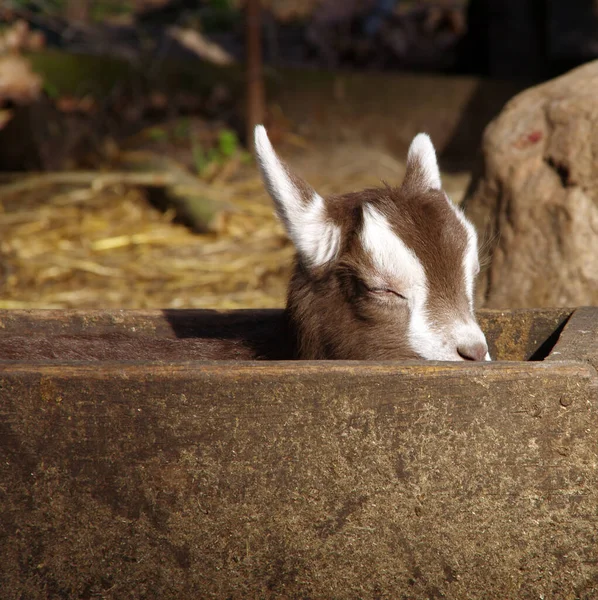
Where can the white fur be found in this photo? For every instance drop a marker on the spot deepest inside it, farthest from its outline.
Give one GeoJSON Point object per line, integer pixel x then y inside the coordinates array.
{"type": "Point", "coordinates": [422, 149]}
{"type": "Point", "coordinates": [390, 256]}
{"type": "Point", "coordinates": [471, 261]}
{"type": "Point", "coordinates": [393, 260]}
{"type": "Point", "coordinates": [468, 334]}
{"type": "Point", "coordinates": [316, 238]}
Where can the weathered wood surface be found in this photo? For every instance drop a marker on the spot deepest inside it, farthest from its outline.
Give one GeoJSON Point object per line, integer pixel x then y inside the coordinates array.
{"type": "Point", "coordinates": [171, 335]}
{"type": "Point", "coordinates": [233, 479]}
{"type": "Point", "coordinates": [245, 480]}
{"type": "Point", "coordinates": [579, 339]}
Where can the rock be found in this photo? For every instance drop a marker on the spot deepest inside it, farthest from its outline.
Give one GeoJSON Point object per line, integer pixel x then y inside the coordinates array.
{"type": "Point", "coordinates": [537, 198]}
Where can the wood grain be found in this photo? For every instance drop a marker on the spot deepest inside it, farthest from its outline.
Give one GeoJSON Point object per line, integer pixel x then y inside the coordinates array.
{"type": "Point", "coordinates": [579, 339]}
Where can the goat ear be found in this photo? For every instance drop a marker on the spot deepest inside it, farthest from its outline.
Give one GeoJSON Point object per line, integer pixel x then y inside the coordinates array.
{"type": "Point", "coordinates": [422, 171]}
{"type": "Point", "coordinates": [301, 210]}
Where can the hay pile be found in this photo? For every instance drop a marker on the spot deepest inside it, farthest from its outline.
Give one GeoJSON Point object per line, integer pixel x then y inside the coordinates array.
{"type": "Point", "coordinates": [91, 246]}
{"type": "Point", "coordinates": [110, 248]}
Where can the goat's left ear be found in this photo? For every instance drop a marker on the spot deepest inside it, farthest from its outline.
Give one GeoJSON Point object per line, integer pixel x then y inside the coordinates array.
{"type": "Point", "coordinates": [301, 210]}
{"type": "Point", "coordinates": [422, 171]}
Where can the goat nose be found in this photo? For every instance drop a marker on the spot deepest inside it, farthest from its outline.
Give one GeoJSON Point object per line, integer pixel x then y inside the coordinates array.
{"type": "Point", "coordinates": [473, 351]}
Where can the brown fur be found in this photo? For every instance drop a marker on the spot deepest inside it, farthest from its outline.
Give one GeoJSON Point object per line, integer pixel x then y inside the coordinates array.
{"type": "Point", "coordinates": [333, 314]}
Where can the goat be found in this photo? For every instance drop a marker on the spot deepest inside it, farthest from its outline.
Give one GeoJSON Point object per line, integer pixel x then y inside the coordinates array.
{"type": "Point", "coordinates": [384, 273]}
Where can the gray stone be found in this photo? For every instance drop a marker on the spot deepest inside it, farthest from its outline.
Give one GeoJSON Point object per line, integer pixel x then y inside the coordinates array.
{"type": "Point", "coordinates": [537, 197]}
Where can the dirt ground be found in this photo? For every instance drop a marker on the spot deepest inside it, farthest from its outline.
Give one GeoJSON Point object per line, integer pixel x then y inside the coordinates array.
{"type": "Point", "coordinates": [110, 247]}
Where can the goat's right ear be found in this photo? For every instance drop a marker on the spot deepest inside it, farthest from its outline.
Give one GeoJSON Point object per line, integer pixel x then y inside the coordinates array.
{"type": "Point", "coordinates": [301, 210]}
{"type": "Point", "coordinates": [422, 172]}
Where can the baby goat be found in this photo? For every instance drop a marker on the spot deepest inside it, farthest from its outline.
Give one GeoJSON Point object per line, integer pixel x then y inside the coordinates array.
{"type": "Point", "coordinates": [380, 274]}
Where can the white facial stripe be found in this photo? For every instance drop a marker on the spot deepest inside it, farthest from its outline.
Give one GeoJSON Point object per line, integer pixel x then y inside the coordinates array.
{"type": "Point", "coordinates": [422, 150]}
{"type": "Point", "coordinates": [316, 238]}
{"type": "Point", "coordinates": [390, 256]}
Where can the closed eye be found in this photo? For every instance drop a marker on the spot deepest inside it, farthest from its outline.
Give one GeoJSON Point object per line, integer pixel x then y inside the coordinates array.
{"type": "Point", "coordinates": [386, 291]}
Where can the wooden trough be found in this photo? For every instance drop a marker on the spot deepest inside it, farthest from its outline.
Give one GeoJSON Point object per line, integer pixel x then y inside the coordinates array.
{"type": "Point", "coordinates": [130, 469]}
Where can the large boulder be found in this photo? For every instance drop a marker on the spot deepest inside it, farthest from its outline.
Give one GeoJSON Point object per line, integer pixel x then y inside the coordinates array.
{"type": "Point", "coordinates": [537, 197]}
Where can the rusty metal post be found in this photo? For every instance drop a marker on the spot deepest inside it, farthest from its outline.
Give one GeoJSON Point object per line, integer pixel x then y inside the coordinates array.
{"type": "Point", "coordinates": [255, 78]}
